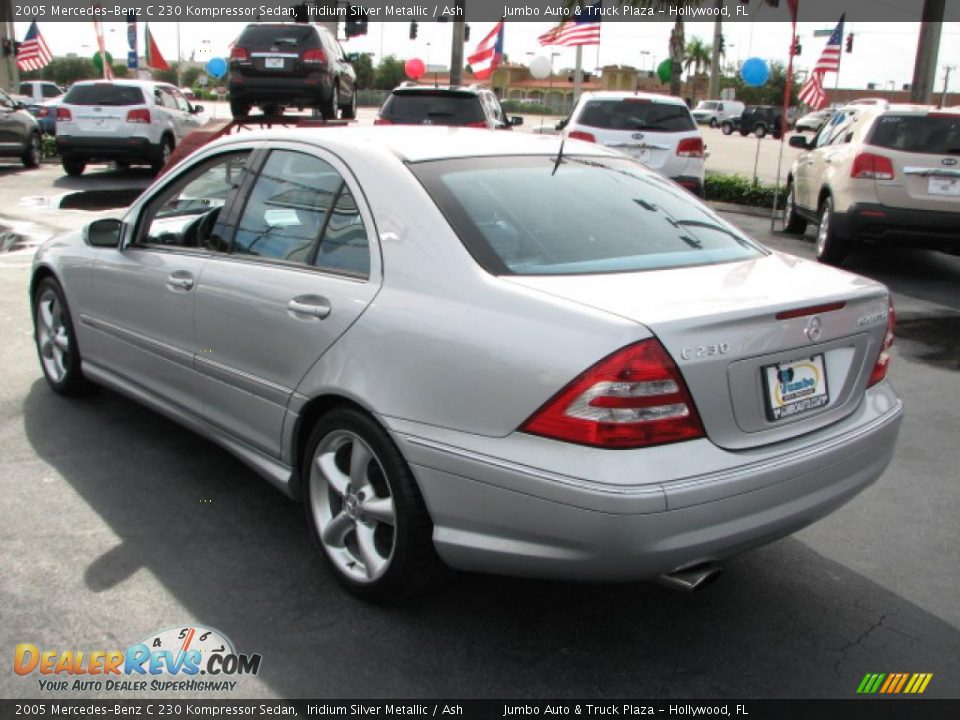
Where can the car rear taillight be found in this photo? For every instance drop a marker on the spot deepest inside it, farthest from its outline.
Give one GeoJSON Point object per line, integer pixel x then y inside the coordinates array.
{"type": "Point", "coordinates": [382, 121]}
{"type": "Point", "coordinates": [690, 147]}
{"type": "Point", "coordinates": [879, 371]}
{"type": "Point", "coordinates": [64, 114]}
{"type": "Point", "coordinates": [140, 115]}
{"type": "Point", "coordinates": [314, 57]}
{"type": "Point", "coordinates": [580, 135]}
{"type": "Point", "coordinates": [239, 54]}
{"type": "Point", "coordinates": [477, 124]}
{"type": "Point", "coordinates": [868, 166]}
{"type": "Point", "coordinates": [633, 398]}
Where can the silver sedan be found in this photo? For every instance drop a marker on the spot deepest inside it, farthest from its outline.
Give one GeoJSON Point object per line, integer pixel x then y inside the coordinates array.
{"type": "Point", "coordinates": [486, 351]}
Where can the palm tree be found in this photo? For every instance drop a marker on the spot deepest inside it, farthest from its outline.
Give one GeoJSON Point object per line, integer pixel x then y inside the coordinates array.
{"type": "Point", "coordinates": [697, 56]}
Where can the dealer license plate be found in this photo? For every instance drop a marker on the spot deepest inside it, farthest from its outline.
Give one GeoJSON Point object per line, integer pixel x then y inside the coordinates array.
{"type": "Point", "coordinates": [795, 387]}
{"type": "Point", "coordinates": [273, 63]}
{"type": "Point", "coordinates": [943, 186]}
{"type": "Point", "coordinates": [640, 154]}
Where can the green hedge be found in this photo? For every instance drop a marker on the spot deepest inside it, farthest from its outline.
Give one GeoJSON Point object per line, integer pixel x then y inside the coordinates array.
{"type": "Point", "coordinates": [515, 106]}
{"type": "Point", "coordinates": [740, 190]}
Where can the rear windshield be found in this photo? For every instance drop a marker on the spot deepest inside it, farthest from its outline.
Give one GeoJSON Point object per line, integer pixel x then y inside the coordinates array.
{"type": "Point", "coordinates": [276, 35]}
{"type": "Point", "coordinates": [524, 215]}
{"type": "Point", "coordinates": [439, 108]}
{"type": "Point", "coordinates": [636, 114]}
{"type": "Point", "coordinates": [104, 94]}
{"type": "Point", "coordinates": [931, 134]}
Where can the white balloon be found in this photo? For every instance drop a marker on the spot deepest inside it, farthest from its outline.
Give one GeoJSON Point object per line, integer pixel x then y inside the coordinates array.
{"type": "Point", "coordinates": [540, 67]}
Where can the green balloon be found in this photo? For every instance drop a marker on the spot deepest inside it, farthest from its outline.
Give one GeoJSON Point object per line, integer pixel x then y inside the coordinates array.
{"type": "Point", "coordinates": [98, 61]}
{"type": "Point", "coordinates": [665, 71]}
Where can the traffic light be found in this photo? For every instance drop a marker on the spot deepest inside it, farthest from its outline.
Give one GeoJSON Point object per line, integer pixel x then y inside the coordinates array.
{"type": "Point", "coordinates": [414, 27]}
{"type": "Point", "coordinates": [356, 23]}
{"type": "Point", "coordinates": [721, 49]}
{"type": "Point", "coordinates": [850, 42]}
{"type": "Point", "coordinates": [797, 47]}
{"type": "Point", "coordinates": [466, 33]}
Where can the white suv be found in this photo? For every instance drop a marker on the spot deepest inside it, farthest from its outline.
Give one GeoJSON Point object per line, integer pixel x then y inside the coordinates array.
{"type": "Point", "coordinates": [125, 121]}
{"type": "Point", "coordinates": [656, 130]}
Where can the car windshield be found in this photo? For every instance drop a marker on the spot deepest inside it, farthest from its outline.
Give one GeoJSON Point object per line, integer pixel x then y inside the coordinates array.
{"type": "Point", "coordinates": [104, 94]}
{"type": "Point", "coordinates": [533, 215]}
{"type": "Point", "coordinates": [433, 107]}
{"type": "Point", "coordinates": [707, 106]}
{"type": "Point", "coordinates": [275, 35]}
{"type": "Point", "coordinates": [931, 134]}
{"type": "Point", "coordinates": [636, 114]}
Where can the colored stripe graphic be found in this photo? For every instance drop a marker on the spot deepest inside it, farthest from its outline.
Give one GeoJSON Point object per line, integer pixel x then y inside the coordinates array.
{"type": "Point", "coordinates": [894, 683]}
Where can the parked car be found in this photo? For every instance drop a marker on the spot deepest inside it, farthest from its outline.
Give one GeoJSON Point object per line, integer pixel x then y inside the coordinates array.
{"type": "Point", "coordinates": [656, 130]}
{"type": "Point", "coordinates": [125, 121]}
{"type": "Point", "coordinates": [758, 119]}
{"type": "Point", "coordinates": [19, 132]}
{"type": "Point", "coordinates": [39, 91]}
{"type": "Point", "coordinates": [490, 351]}
{"type": "Point", "coordinates": [813, 121]}
{"type": "Point", "coordinates": [878, 175]}
{"type": "Point", "coordinates": [474, 106]}
{"type": "Point", "coordinates": [277, 65]}
{"type": "Point", "coordinates": [714, 112]}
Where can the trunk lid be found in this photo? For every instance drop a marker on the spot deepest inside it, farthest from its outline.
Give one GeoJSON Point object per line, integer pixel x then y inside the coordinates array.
{"type": "Point", "coordinates": [719, 323]}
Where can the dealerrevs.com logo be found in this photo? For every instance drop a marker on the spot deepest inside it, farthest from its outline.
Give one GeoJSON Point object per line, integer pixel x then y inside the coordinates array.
{"type": "Point", "coordinates": [181, 659]}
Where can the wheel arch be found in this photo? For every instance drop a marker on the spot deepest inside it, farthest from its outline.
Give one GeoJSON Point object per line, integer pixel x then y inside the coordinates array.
{"type": "Point", "coordinates": [825, 192]}
{"type": "Point", "coordinates": [39, 275]}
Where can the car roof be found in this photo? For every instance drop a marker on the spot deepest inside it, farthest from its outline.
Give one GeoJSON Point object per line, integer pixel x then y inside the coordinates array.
{"type": "Point", "coordinates": [622, 95]}
{"type": "Point", "coordinates": [413, 89]}
{"type": "Point", "coordinates": [123, 82]}
{"type": "Point", "coordinates": [419, 144]}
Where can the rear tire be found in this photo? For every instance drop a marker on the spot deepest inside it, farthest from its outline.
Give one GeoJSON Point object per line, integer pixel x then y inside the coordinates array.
{"type": "Point", "coordinates": [792, 222]}
{"type": "Point", "coordinates": [365, 510]}
{"type": "Point", "coordinates": [831, 250]}
{"type": "Point", "coordinates": [166, 150]}
{"type": "Point", "coordinates": [56, 340]}
{"type": "Point", "coordinates": [73, 167]}
{"type": "Point", "coordinates": [31, 157]}
{"type": "Point", "coordinates": [330, 106]}
{"type": "Point", "coordinates": [349, 112]}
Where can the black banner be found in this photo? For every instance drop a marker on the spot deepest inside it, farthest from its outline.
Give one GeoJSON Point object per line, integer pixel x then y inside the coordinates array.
{"type": "Point", "coordinates": [873, 708]}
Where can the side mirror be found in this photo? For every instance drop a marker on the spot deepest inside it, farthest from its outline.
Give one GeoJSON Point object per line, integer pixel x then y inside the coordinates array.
{"type": "Point", "coordinates": [103, 233]}
{"type": "Point", "coordinates": [799, 141]}
{"type": "Point", "coordinates": [561, 125]}
{"type": "Point", "coordinates": [194, 109]}
{"type": "Point", "coordinates": [516, 120]}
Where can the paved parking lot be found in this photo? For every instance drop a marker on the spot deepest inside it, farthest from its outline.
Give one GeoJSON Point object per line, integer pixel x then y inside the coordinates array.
{"type": "Point", "coordinates": [117, 523]}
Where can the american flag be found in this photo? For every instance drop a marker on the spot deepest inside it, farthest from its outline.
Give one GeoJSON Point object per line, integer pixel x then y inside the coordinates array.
{"type": "Point", "coordinates": [488, 54]}
{"type": "Point", "coordinates": [585, 30]}
{"type": "Point", "coordinates": [830, 59]}
{"type": "Point", "coordinates": [812, 92]}
{"type": "Point", "coordinates": [33, 53]}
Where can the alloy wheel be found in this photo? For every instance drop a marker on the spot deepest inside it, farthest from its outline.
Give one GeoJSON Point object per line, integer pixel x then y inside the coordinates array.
{"type": "Point", "coordinates": [53, 338]}
{"type": "Point", "coordinates": [823, 231]}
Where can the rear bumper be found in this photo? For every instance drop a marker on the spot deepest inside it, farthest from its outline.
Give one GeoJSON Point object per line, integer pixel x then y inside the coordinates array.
{"type": "Point", "coordinates": [106, 148]}
{"type": "Point", "coordinates": [879, 224]}
{"type": "Point", "coordinates": [306, 91]}
{"type": "Point", "coordinates": [496, 516]}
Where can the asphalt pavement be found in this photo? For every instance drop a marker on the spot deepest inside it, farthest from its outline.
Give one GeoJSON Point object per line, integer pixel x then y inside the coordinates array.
{"type": "Point", "coordinates": [117, 523]}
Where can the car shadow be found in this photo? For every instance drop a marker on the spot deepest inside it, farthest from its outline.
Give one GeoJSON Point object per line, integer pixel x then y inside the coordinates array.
{"type": "Point", "coordinates": [235, 554]}
{"type": "Point", "coordinates": [101, 175]}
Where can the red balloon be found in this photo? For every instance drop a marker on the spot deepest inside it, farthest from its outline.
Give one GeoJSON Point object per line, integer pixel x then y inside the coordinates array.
{"type": "Point", "coordinates": [414, 68]}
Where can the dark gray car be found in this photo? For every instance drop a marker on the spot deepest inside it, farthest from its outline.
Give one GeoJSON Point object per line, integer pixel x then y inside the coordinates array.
{"type": "Point", "coordinates": [19, 132]}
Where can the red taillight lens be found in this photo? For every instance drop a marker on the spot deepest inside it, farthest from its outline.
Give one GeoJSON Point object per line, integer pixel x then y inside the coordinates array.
{"type": "Point", "coordinates": [580, 135]}
{"type": "Point", "coordinates": [867, 166]}
{"type": "Point", "coordinates": [879, 371]}
{"type": "Point", "coordinates": [690, 147]}
{"type": "Point", "coordinates": [478, 124]}
{"type": "Point", "coordinates": [633, 398]}
{"type": "Point", "coordinates": [140, 115]}
{"type": "Point", "coordinates": [64, 114]}
{"type": "Point", "coordinates": [382, 121]}
{"type": "Point", "coordinates": [314, 57]}
{"type": "Point", "coordinates": [239, 54]}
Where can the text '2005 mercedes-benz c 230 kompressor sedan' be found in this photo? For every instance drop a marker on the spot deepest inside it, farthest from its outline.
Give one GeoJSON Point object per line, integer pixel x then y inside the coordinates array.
{"type": "Point", "coordinates": [480, 350]}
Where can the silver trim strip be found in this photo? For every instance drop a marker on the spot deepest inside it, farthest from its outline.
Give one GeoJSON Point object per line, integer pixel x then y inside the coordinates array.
{"type": "Point", "coordinates": [265, 389]}
{"type": "Point", "coordinates": [274, 55]}
{"type": "Point", "coordinates": [928, 171]}
{"type": "Point", "coordinates": [164, 350]}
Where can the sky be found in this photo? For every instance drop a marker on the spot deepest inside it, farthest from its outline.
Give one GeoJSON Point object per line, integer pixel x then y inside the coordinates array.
{"type": "Point", "coordinates": [883, 52]}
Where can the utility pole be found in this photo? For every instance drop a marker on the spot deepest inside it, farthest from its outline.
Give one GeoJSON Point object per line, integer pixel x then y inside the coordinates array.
{"type": "Point", "coordinates": [928, 47]}
{"type": "Point", "coordinates": [456, 51]}
{"type": "Point", "coordinates": [714, 93]}
{"type": "Point", "coordinates": [9, 75]}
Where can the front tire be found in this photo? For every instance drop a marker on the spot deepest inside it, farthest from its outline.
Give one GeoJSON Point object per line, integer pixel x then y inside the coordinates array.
{"type": "Point", "coordinates": [831, 250]}
{"type": "Point", "coordinates": [792, 222]}
{"type": "Point", "coordinates": [31, 157]}
{"type": "Point", "coordinates": [56, 340]}
{"type": "Point", "coordinates": [73, 167]}
{"type": "Point", "coordinates": [761, 131]}
{"type": "Point", "coordinates": [713, 122]}
{"type": "Point", "coordinates": [365, 510]}
{"type": "Point", "coordinates": [726, 128]}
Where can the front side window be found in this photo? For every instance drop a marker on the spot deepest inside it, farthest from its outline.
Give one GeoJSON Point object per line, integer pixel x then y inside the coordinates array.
{"type": "Point", "coordinates": [585, 215]}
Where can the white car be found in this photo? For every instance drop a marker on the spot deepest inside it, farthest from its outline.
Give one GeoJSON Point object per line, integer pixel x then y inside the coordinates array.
{"type": "Point", "coordinates": [37, 91]}
{"type": "Point", "coordinates": [656, 130]}
{"type": "Point", "coordinates": [124, 121]}
{"type": "Point", "coordinates": [714, 112]}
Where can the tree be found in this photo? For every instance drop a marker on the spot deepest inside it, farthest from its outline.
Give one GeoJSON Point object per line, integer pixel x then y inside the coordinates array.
{"type": "Point", "coordinates": [64, 71]}
{"type": "Point", "coordinates": [697, 56]}
{"type": "Point", "coordinates": [770, 93]}
{"type": "Point", "coordinates": [389, 73]}
{"type": "Point", "coordinates": [365, 72]}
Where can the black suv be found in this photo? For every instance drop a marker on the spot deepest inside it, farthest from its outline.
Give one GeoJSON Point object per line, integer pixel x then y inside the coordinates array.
{"type": "Point", "coordinates": [759, 119]}
{"type": "Point", "coordinates": [19, 132]}
{"type": "Point", "coordinates": [474, 106]}
{"type": "Point", "coordinates": [277, 65]}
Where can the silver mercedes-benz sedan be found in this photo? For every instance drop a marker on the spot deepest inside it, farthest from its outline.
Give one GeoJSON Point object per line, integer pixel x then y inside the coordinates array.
{"type": "Point", "coordinates": [487, 351]}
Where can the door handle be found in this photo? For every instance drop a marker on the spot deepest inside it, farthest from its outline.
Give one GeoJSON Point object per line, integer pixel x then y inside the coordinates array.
{"type": "Point", "coordinates": [310, 305]}
{"type": "Point", "coordinates": [181, 280]}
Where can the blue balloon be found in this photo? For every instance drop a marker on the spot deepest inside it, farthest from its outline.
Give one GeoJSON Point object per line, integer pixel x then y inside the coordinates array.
{"type": "Point", "coordinates": [217, 67]}
{"type": "Point", "coordinates": [755, 72]}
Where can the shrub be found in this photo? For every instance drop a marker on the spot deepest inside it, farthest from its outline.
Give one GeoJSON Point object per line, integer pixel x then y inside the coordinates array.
{"type": "Point", "coordinates": [740, 190]}
{"type": "Point", "coordinates": [527, 108]}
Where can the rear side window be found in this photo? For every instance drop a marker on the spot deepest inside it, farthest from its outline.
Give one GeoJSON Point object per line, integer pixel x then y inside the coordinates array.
{"type": "Point", "coordinates": [440, 108]}
{"type": "Point", "coordinates": [104, 94]}
{"type": "Point", "coordinates": [278, 35]}
{"type": "Point", "coordinates": [930, 134]}
{"type": "Point", "coordinates": [636, 114]}
{"type": "Point", "coordinates": [528, 216]}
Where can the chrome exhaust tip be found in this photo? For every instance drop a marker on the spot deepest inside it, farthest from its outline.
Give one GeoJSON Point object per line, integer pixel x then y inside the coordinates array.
{"type": "Point", "coordinates": [691, 578]}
